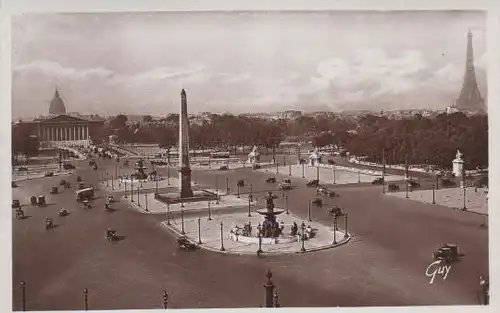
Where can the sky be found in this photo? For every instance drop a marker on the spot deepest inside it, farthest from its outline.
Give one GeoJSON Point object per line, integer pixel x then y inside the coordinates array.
{"type": "Point", "coordinates": [239, 62]}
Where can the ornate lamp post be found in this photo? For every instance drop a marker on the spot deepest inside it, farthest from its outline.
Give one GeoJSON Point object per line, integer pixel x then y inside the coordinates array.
{"type": "Point", "coordinates": [86, 298]}
{"type": "Point", "coordinates": [309, 211]}
{"type": "Point", "coordinates": [303, 171]}
{"type": "Point", "coordinates": [335, 229]}
{"type": "Point", "coordinates": [269, 286]}
{"type": "Point", "coordinates": [182, 222]}
{"type": "Point", "coordinates": [125, 183]}
{"type": "Point", "coordinates": [209, 211]}
{"type": "Point", "coordinates": [146, 201]}
{"type": "Point", "coordinates": [251, 193]}
{"type": "Point", "coordinates": [286, 203]}
{"type": "Point", "coordinates": [168, 172]}
{"type": "Point", "coordinates": [165, 299]}
{"type": "Point", "coordinates": [465, 201]}
{"type": "Point", "coordinates": [346, 234]}
{"type": "Point", "coordinates": [277, 167]}
{"type": "Point", "coordinates": [359, 176]}
{"type": "Point", "coordinates": [222, 237]}
{"type": "Point", "coordinates": [317, 172]}
{"type": "Point", "coordinates": [131, 189]}
{"type": "Point", "coordinates": [23, 294]}
{"type": "Point", "coordinates": [138, 198]}
{"type": "Point", "coordinates": [168, 214]}
{"type": "Point", "coordinates": [303, 228]}
{"type": "Point", "coordinates": [334, 176]}
{"type": "Point", "coordinates": [249, 203]}
{"type": "Point", "coordinates": [259, 234]}
{"type": "Point", "coordinates": [289, 169]}
{"type": "Point", "coordinates": [107, 181]}
{"type": "Point", "coordinates": [406, 188]}
{"type": "Point", "coordinates": [156, 184]}
{"type": "Point", "coordinates": [112, 183]}
{"type": "Point", "coordinates": [227, 185]}
{"type": "Point", "coordinates": [433, 195]}
{"type": "Point", "coordinates": [199, 230]}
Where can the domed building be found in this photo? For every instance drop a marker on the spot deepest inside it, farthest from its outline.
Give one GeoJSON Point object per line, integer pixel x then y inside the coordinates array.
{"type": "Point", "coordinates": [60, 128]}
{"type": "Point", "coordinates": [57, 106]}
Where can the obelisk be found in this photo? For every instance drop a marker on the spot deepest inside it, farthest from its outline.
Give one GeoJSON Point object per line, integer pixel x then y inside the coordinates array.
{"type": "Point", "coordinates": [184, 170]}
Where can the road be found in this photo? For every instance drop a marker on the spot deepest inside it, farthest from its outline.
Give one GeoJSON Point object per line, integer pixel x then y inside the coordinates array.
{"type": "Point", "coordinates": [383, 265]}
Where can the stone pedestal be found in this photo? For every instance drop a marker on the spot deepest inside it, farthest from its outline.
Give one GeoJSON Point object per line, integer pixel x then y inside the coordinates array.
{"type": "Point", "coordinates": [458, 165]}
{"type": "Point", "coordinates": [185, 182]}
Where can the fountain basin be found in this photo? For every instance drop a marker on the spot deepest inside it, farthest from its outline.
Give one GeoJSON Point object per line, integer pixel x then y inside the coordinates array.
{"type": "Point", "coordinates": [265, 241]}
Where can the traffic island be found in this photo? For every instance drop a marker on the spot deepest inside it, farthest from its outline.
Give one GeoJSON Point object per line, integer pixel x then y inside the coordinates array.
{"type": "Point", "coordinates": [220, 234]}
{"type": "Point", "coordinates": [475, 198]}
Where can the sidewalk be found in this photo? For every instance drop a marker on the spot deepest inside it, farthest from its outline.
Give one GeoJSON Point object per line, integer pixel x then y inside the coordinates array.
{"type": "Point", "coordinates": [210, 232]}
{"type": "Point", "coordinates": [451, 197]}
{"type": "Point", "coordinates": [327, 174]}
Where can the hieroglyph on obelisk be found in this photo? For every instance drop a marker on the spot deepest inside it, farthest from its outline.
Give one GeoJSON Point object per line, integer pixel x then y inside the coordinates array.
{"type": "Point", "coordinates": [184, 170]}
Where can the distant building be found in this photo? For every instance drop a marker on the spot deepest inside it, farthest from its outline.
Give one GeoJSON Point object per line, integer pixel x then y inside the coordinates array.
{"type": "Point", "coordinates": [61, 128]}
{"type": "Point", "coordinates": [290, 114]}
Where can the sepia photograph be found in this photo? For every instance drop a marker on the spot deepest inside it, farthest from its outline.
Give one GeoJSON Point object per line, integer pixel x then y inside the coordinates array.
{"type": "Point", "coordinates": [249, 159]}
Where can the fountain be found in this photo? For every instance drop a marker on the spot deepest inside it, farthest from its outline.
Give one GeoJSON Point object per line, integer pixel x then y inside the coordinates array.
{"type": "Point", "coordinates": [139, 171]}
{"type": "Point", "coordinates": [270, 227]}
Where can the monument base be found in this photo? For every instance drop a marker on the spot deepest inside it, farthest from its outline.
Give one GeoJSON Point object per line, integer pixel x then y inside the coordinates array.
{"type": "Point", "coordinates": [198, 196]}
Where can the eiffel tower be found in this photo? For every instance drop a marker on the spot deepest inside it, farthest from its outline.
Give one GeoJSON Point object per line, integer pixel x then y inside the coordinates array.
{"type": "Point", "coordinates": [470, 99]}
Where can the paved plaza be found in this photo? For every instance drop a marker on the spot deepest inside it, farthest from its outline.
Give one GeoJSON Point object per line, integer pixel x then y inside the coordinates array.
{"type": "Point", "coordinates": [327, 174]}
{"type": "Point", "coordinates": [158, 207]}
{"type": "Point", "coordinates": [210, 233]}
{"type": "Point", "coordinates": [475, 201]}
{"type": "Point", "coordinates": [21, 176]}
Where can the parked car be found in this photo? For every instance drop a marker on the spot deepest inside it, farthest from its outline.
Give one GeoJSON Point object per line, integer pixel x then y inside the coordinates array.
{"type": "Point", "coordinates": [68, 166]}
{"type": "Point", "coordinates": [393, 187]}
{"type": "Point", "coordinates": [413, 183]}
{"type": "Point", "coordinates": [446, 182]}
{"type": "Point", "coordinates": [49, 174]}
{"type": "Point", "coordinates": [378, 181]}
{"type": "Point", "coordinates": [223, 168]}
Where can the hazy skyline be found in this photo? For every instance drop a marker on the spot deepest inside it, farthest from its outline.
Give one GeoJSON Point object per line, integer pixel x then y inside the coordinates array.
{"type": "Point", "coordinates": [137, 63]}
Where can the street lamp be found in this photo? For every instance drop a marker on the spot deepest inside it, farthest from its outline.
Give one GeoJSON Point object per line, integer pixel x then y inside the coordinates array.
{"type": "Point", "coordinates": [86, 298]}
{"type": "Point", "coordinates": [23, 294]}
{"type": "Point", "coordinates": [335, 229]}
{"type": "Point", "coordinates": [289, 169]}
{"type": "Point", "coordinates": [465, 203]}
{"type": "Point", "coordinates": [277, 167]}
{"type": "Point", "coordinates": [138, 198]}
{"type": "Point", "coordinates": [334, 176]}
{"type": "Point", "coordinates": [303, 170]}
{"type": "Point", "coordinates": [199, 230]}
{"type": "Point", "coordinates": [317, 172]}
{"type": "Point", "coordinates": [303, 227]}
{"type": "Point", "coordinates": [269, 286]}
{"type": "Point", "coordinates": [433, 195]}
{"type": "Point", "coordinates": [182, 222]}
{"type": "Point", "coordinates": [286, 203]}
{"type": "Point", "coordinates": [345, 226]}
{"type": "Point", "coordinates": [146, 201]}
{"type": "Point", "coordinates": [359, 176]}
{"type": "Point", "coordinates": [238, 190]}
{"type": "Point", "coordinates": [249, 203]}
{"type": "Point", "coordinates": [131, 189]}
{"type": "Point", "coordinates": [406, 188]}
{"type": "Point", "coordinates": [209, 211]}
{"type": "Point", "coordinates": [112, 183]}
{"type": "Point", "coordinates": [107, 181]}
{"type": "Point", "coordinates": [125, 182]}
{"type": "Point", "coordinates": [168, 214]}
{"type": "Point", "coordinates": [259, 234]}
{"type": "Point", "coordinates": [217, 188]}
{"type": "Point", "coordinates": [251, 193]}
{"type": "Point", "coordinates": [222, 237]}
{"type": "Point", "coordinates": [227, 185]}
{"type": "Point", "coordinates": [165, 299]}
{"type": "Point", "coordinates": [309, 211]}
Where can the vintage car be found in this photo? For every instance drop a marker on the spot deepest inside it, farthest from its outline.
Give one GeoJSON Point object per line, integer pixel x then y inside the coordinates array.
{"type": "Point", "coordinates": [111, 234]}
{"type": "Point", "coordinates": [63, 212]}
{"type": "Point", "coordinates": [62, 182]}
{"type": "Point", "coordinates": [223, 168]}
{"type": "Point", "coordinates": [49, 174]}
{"type": "Point", "coordinates": [92, 163]}
{"type": "Point", "coordinates": [378, 181]}
{"type": "Point", "coordinates": [447, 253]}
{"type": "Point", "coordinates": [326, 192]}
{"type": "Point", "coordinates": [49, 223]}
{"type": "Point", "coordinates": [256, 166]}
{"type": "Point", "coordinates": [241, 183]}
{"type": "Point", "coordinates": [14, 185]}
{"type": "Point", "coordinates": [393, 187]}
{"type": "Point", "coordinates": [22, 169]}
{"type": "Point", "coordinates": [331, 162]}
{"type": "Point", "coordinates": [85, 194]}
{"type": "Point", "coordinates": [68, 166]}
{"type": "Point", "coordinates": [317, 202]}
{"type": "Point", "coordinates": [413, 183]}
{"type": "Point", "coordinates": [336, 211]}
{"type": "Point", "coordinates": [446, 182]}
{"type": "Point", "coordinates": [41, 201]}
{"type": "Point", "coordinates": [313, 183]}
{"type": "Point", "coordinates": [54, 190]}
{"type": "Point", "coordinates": [16, 204]}
{"type": "Point", "coordinates": [78, 179]}
{"type": "Point", "coordinates": [284, 185]}
{"type": "Point", "coordinates": [19, 213]}
{"type": "Point", "coordinates": [271, 180]}
{"type": "Point", "coordinates": [185, 244]}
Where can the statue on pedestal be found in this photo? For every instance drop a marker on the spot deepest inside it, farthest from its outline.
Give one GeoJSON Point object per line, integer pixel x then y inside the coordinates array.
{"type": "Point", "coordinates": [254, 156]}
{"type": "Point", "coordinates": [314, 158]}
{"type": "Point", "coordinates": [458, 164]}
